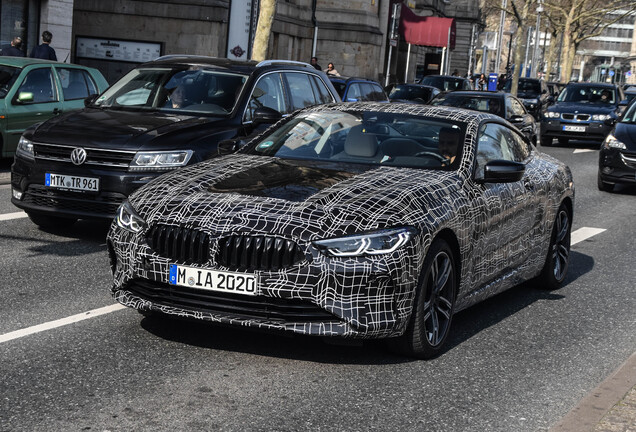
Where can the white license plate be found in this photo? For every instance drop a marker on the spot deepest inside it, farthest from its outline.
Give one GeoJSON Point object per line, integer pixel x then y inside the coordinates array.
{"type": "Point", "coordinates": [71, 182]}
{"type": "Point", "coordinates": [227, 282]}
{"type": "Point", "coordinates": [570, 128]}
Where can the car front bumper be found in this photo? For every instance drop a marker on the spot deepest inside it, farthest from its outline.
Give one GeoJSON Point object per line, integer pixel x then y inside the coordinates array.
{"type": "Point", "coordinates": [588, 131]}
{"type": "Point", "coordinates": [616, 166]}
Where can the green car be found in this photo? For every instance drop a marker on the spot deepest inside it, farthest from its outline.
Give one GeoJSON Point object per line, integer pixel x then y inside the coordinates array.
{"type": "Point", "coordinates": [34, 90]}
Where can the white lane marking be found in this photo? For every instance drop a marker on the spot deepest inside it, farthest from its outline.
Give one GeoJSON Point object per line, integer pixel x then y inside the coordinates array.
{"type": "Point", "coordinates": [9, 216]}
{"type": "Point", "coordinates": [583, 151]}
{"type": "Point", "coordinates": [577, 236]}
{"type": "Point", "coordinates": [59, 323]}
{"type": "Point", "coordinates": [583, 234]}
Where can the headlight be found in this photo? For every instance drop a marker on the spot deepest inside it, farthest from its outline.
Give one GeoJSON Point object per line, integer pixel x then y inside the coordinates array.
{"type": "Point", "coordinates": [551, 114]}
{"type": "Point", "coordinates": [372, 243]}
{"type": "Point", "coordinates": [612, 142]}
{"type": "Point", "coordinates": [128, 219]}
{"type": "Point", "coordinates": [25, 148]}
{"type": "Point", "coordinates": [160, 160]}
{"type": "Point", "coordinates": [601, 117]}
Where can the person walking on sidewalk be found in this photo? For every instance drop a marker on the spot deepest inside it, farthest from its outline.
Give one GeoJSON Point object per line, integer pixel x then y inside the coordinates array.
{"type": "Point", "coordinates": [44, 50]}
{"type": "Point", "coordinates": [14, 48]}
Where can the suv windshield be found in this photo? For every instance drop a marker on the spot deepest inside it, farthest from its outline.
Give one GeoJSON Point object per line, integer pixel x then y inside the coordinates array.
{"type": "Point", "coordinates": [370, 138]}
{"type": "Point", "coordinates": [444, 83]}
{"type": "Point", "coordinates": [528, 87]}
{"type": "Point", "coordinates": [588, 94]}
{"type": "Point", "coordinates": [491, 105]}
{"type": "Point", "coordinates": [410, 92]}
{"type": "Point", "coordinates": [8, 75]}
{"type": "Point", "coordinates": [630, 114]}
{"type": "Point", "coordinates": [195, 90]}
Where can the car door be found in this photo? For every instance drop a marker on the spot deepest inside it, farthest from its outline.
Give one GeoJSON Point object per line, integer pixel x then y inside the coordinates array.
{"type": "Point", "coordinates": [74, 85]}
{"type": "Point", "coordinates": [504, 214]}
{"type": "Point", "coordinates": [35, 99]}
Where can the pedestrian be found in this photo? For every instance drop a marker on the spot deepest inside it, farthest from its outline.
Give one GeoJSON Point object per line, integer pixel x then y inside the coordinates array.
{"type": "Point", "coordinates": [314, 63]}
{"type": "Point", "coordinates": [44, 50]}
{"type": "Point", "coordinates": [331, 70]}
{"type": "Point", "coordinates": [482, 83]}
{"type": "Point", "coordinates": [14, 48]}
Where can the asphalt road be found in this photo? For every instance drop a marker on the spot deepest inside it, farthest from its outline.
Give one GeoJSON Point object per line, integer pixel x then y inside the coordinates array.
{"type": "Point", "coordinates": [517, 362]}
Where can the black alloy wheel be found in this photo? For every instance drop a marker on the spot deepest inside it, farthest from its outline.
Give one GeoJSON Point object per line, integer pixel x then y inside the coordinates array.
{"type": "Point", "coordinates": [434, 305]}
{"type": "Point", "coordinates": [556, 264]}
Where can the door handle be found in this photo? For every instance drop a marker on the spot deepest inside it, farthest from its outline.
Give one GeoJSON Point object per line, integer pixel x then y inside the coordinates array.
{"type": "Point", "coordinates": [57, 111]}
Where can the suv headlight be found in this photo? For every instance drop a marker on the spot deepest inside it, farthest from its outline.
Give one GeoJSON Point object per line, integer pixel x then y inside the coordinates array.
{"type": "Point", "coordinates": [25, 148]}
{"type": "Point", "coordinates": [156, 161]}
{"type": "Point", "coordinates": [612, 142]}
{"type": "Point", "coordinates": [552, 114]}
{"type": "Point", "coordinates": [128, 219]}
{"type": "Point", "coordinates": [372, 243]}
{"type": "Point", "coordinates": [601, 117]}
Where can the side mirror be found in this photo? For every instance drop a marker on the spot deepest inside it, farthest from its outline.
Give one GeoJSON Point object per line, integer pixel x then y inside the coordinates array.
{"type": "Point", "coordinates": [503, 171]}
{"type": "Point", "coordinates": [266, 115]}
{"type": "Point", "coordinates": [25, 97]}
{"type": "Point", "coordinates": [227, 147]}
{"type": "Point", "coordinates": [90, 99]}
{"type": "Point", "coordinates": [550, 99]}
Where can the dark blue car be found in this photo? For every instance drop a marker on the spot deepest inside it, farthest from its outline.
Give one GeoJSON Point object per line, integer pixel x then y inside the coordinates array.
{"type": "Point", "coordinates": [358, 89]}
{"type": "Point", "coordinates": [617, 156]}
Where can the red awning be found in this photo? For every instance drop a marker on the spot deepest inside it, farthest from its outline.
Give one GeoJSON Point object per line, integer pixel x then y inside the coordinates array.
{"type": "Point", "coordinates": [426, 31]}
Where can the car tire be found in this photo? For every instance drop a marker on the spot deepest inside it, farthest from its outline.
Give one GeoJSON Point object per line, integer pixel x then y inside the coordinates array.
{"type": "Point", "coordinates": [564, 141]}
{"type": "Point", "coordinates": [46, 221]}
{"type": "Point", "coordinates": [433, 307]}
{"type": "Point", "coordinates": [604, 186]}
{"type": "Point", "coordinates": [546, 140]}
{"type": "Point", "coordinates": [556, 263]}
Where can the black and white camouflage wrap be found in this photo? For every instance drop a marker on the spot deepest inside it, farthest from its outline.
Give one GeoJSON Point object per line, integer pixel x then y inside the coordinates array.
{"type": "Point", "coordinates": [501, 233]}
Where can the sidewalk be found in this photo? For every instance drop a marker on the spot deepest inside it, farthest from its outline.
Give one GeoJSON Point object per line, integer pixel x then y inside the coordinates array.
{"type": "Point", "coordinates": [5, 177]}
{"type": "Point", "coordinates": [610, 407]}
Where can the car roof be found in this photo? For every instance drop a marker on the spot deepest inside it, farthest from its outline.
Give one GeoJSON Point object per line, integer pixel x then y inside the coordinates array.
{"type": "Point", "coordinates": [476, 93]}
{"type": "Point", "coordinates": [21, 62]}
{"type": "Point", "coordinates": [350, 79]}
{"type": "Point", "coordinates": [415, 85]}
{"type": "Point", "coordinates": [224, 63]}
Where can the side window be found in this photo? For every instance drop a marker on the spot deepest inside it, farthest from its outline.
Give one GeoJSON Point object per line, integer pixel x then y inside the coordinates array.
{"type": "Point", "coordinates": [377, 94]}
{"type": "Point", "coordinates": [76, 83]}
{"type": "Point", "coordinates": [518, 146]}
{"type": "Point", "coordinates": [39, 82]}
{"type": "Point", "coordinates": [320, 90]}
{"type": "Point", "coordinates": [299, 87]}
{"type": "Point", "coordinates": [496, 142]}
{"type": "Point", "coordinates": [517, 107]}
{"type": "Point", "coordinates": [268, 92]}
{"type": "Point", "coordinates": [354, 93]}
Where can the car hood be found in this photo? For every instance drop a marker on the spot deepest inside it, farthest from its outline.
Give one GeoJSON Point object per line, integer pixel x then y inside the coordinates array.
{"type": "Point", "coordinates": [119, 129]}
{"type": "Point", "coordinates": [582, 108]}
{"type": "Point", "coordinates": [528, 96]}
{"type": "Point", "coordinates": [626, 133]}
{"type": "Point", "coordinates": [259, 194]}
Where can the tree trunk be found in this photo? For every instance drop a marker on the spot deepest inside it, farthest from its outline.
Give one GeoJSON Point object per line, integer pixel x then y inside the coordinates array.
{"type": "Point", "coordinates": [520, 42]}
{"type": "Point", "coordinates": [550, 55]}
{"type": "Point", "coordinates": [566, 71]}
{"type": "Point", "coordinates": [263, 29]}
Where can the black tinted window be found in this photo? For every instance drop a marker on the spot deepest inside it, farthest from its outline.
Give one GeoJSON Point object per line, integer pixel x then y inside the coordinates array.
{"type": "Point", "coordinates": [39, 83]}
{"type": "Point", "coordinates": [301, 92]}
{"type": "Point", "coordinates": [76, 83]}
{"type": "Point", "coordinates": [320, 90]}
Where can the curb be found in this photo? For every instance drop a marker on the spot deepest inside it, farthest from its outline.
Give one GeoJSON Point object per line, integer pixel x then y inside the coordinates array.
{"type": "Point", "coordinates": [593, 407]}
{"type": "Point", "coordinates": [5, 178]}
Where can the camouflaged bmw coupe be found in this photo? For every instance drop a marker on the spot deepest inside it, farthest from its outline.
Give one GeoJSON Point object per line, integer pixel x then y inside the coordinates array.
{"type": "Point", "coordinates": [352, 220]}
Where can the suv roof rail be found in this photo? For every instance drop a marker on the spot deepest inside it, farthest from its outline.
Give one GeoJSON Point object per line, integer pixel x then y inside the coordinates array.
{"type": "Point", "coordinates": [289, 62]}
{"type": "Point", "coordinates": [171, 56]}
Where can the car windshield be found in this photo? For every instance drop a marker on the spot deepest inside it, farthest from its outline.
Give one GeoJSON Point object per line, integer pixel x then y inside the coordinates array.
{"type": "Point", "coordinates": [478, 103]}
{"type": "Point", "coordinates": [588, 94]}
{"type": "Point", "coordinates": [630, 114]}
{"type": "Point", "coordinates": [528, 87]}
{"type": "Point", "coordinates": [371, 138]}
{"type": "Point", "coordinates": [443, 83]}
{"type": "Point", "coordinates": [195, 91]}
{"type": "Point", "coordinates": [8, 75]}
{"type": "Point", "coordinates": [410, 92]}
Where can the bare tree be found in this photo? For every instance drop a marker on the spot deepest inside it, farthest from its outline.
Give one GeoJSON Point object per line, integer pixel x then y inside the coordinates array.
{"type": "Point", "coordinates": [263, 29]}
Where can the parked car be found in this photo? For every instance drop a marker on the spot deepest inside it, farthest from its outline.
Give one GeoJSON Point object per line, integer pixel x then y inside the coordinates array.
{"type": "Point", "coordinates": [34, 90]}
{"type": "Point", "coordinates": [630, 94]}
{"type": "Point", "coordinates": [162, 115]}
{"type": "Point", "coordinates": [352, 89]}
{"type": "Point", "coordinates": [583, 111]}
{"type": "Point", "coordinates": [534, 94]}
{"type": "Point", "coordinates": [617, 156]}
{"type": "Point", "coordinates": [501, 104]}
{"type": "Point", "coordinates": [411, 93]}
{"type": "Point", "coordinates": [356, 220]}
{"type": "Point", "coordinates": [447, 82]}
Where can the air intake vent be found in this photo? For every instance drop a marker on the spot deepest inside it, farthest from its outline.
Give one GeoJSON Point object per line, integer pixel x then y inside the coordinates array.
{"type": "Point", "coordinates": [180, 244]}
{"type": "Point", "coordinates": [242, 252]}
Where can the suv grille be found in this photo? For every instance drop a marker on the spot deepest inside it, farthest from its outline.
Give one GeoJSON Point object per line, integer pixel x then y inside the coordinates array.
{"type": "Point", "coordinates": [100, 157]}
{"type": "Point", "coordinates": [104, 204]}
{"type": "Point", "coordinates": [578, 117]}
{"type": "Point", "coordinates": [247, 252]}
{"type": "Point", "coordinates": [179, 244]}
{"type": "Point", "coordinates": [259, 307]}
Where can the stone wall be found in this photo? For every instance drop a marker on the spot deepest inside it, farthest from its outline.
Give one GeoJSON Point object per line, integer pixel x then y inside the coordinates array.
{"type": "Point", "coordinates": [56, 16]}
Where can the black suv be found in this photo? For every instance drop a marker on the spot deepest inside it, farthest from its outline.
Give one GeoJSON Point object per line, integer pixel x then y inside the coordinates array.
{"type": "Point", "coordinates": [534, 94]}
{"type": "Point", "coordinates": [358, 89]}
{"type": "Point", "coordinates": [165, 114]}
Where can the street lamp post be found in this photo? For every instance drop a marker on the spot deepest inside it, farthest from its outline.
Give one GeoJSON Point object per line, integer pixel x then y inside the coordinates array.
{"type": "Point", "coordinates": [535, 54]}
{"type": "Point", "coordinates": [502, 23]}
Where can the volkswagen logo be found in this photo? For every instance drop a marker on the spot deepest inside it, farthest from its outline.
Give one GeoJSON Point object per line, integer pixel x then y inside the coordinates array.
{"type": "Point", "coordinates": [78, 156]}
